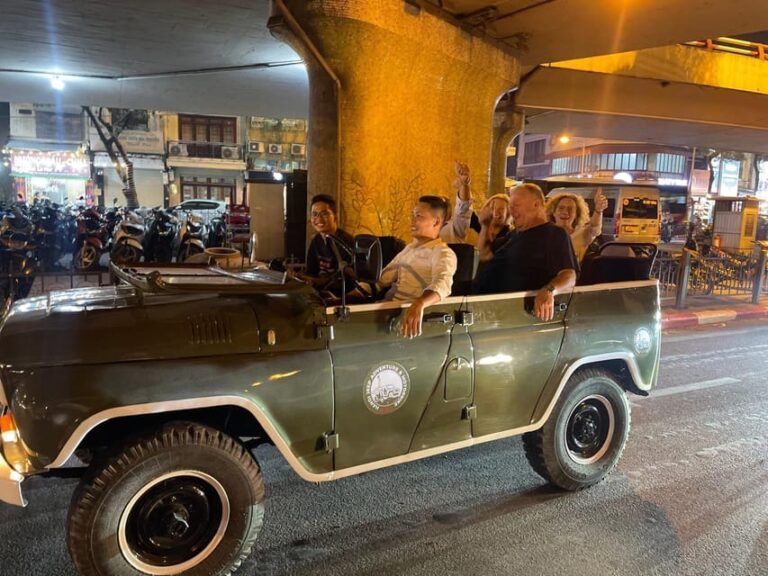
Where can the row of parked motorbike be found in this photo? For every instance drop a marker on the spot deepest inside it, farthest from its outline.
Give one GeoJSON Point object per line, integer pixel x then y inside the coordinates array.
{"type": "Point", "coordinates": [46, 237]}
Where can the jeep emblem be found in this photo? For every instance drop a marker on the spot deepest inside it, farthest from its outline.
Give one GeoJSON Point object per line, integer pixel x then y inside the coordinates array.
{"type": "Point", "coordinates": [386, 388]}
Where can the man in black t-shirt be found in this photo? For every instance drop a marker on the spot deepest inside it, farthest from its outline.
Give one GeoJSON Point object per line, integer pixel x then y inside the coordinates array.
{"type": "Point", "coordinates": [321, 257]}
{"type": "Point", "coordinates": [538, 255]}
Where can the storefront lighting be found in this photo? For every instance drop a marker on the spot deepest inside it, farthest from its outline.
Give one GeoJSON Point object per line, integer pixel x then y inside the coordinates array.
{"type": "Point", "coordinates": [57, 83]}
{"type": "Point", "coordinates": [623, 177]}
{"type": "Point", "coordinates": [564, 139]}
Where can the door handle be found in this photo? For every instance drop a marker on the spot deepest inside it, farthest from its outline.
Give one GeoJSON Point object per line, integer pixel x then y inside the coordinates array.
{"type": "Point", "coordinates": [438, 318]}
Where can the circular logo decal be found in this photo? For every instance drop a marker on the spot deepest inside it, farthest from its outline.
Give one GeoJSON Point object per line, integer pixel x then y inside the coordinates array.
{"type": "Point", "coordinates": [386, 388]}
{"type": "Point", "coordinates": [643, 341]}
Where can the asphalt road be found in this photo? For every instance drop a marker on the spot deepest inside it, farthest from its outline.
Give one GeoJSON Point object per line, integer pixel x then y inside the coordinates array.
{"type": "Point", "coordinates": [690, 496]}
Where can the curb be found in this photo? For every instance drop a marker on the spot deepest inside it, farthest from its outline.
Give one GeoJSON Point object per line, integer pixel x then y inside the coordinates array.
{"type": "Point", "coordinates": [685, 319]}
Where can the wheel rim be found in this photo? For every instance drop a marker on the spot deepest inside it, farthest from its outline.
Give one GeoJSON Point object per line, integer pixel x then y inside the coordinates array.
{"type": "Point", "coordinates": [590, 429]}
{"type": "Point", "coordinates": [174, 523]}
{"type": "Point", "coordinates": [86, 256]}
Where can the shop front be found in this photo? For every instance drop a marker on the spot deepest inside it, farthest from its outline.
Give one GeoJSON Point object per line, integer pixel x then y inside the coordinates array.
{"type": "Point", "coordinates": [60, 176]}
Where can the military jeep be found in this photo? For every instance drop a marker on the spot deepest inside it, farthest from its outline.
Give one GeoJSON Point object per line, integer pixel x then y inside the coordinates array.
{"type": "Point", "coordinates": [158, 388]}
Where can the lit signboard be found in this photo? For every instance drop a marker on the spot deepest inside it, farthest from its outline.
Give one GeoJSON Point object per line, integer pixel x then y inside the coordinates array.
{"type": "Point", "coordinates": [50, 164]}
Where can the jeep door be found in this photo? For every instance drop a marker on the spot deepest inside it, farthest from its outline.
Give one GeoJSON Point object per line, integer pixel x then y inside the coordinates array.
{"type": "Point", "coordinates": [514, 355]}
{"type": "Point", "coordinates": [395, 395]}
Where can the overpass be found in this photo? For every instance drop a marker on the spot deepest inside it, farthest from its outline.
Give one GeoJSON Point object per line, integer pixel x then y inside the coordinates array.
{"type": "Point", "coordinates": [706, 94]}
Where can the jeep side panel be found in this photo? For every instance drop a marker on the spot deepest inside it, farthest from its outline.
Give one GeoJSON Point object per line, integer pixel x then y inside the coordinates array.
{"type": "Point", "coordinates": [514, 356]}
{"type": "Point", "coordinates": [619, 323]}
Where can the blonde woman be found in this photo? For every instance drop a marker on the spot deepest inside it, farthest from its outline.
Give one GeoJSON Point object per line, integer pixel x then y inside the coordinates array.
{"type": "Point", "coordinates": [570, 212]}
{"type": "Point", "coordinates": [495, 226]}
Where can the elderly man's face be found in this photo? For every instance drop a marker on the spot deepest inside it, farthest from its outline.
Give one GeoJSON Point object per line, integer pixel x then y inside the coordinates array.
{"type": "Point", "coordinates": [525, 208]}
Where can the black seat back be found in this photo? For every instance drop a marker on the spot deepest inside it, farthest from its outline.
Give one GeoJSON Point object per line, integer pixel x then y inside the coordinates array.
{"type": "Point", "coordinates": [368, 258]}
{"type": "Point", "coordinates": [390, 246]}
{"type": "Point", "coordinates": [467, 261]}
{"type": "Point", "coordinates": [618, 262]}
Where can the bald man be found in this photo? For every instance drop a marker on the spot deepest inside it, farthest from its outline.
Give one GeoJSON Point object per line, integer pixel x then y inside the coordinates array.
{"type": "Point", "coordinates": [538, 255]}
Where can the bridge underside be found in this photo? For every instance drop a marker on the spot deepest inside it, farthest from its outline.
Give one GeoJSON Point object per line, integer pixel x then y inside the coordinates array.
{"type": "Point", "coordinates": [674, 95]}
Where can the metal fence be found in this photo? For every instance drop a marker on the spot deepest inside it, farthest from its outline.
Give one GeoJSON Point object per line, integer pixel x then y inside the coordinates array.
{"type": "Point", "coordinates": [718, 273]}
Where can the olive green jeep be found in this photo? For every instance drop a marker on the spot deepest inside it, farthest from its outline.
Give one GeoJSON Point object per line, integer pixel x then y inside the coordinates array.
{"type": "Point", "coordinates": [158, 388]}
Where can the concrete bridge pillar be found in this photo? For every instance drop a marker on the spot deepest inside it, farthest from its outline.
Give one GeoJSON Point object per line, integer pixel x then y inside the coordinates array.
{"type": "Point", "coordinates": [396, 95]}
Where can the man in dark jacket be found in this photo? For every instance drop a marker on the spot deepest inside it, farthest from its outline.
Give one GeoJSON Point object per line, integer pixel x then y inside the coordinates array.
{"type": "Point", "coordinates": [322, 263]}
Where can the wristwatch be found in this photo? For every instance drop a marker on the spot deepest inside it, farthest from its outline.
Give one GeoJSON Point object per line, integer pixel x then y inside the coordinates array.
{"type": "Point", "coordinates": [550, 288]}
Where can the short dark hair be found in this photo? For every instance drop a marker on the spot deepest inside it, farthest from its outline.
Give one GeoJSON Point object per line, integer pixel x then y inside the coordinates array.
{"type": "Point", "coordinates": [438, 204]}
{"type": "Point", "coordinates": [324, 198]}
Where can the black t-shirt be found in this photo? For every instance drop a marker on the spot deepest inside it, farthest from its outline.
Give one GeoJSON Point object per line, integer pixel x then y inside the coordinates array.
{"type": "Point", "coordinates": [528, 260]}
{"type": "Point", "coordinates": [321, 260]}
{"type": "Point", "coordinates": [501, 238]}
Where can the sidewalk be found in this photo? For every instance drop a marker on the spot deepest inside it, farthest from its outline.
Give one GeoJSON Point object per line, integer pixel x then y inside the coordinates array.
{"type": "Point", "coordinates": [711, 310]}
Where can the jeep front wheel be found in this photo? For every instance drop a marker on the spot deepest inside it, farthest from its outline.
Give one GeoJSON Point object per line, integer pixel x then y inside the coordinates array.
{"type": "Point", "coordinates": [584, 437]}
{"type": "Point", "coordinates": [186, 500]}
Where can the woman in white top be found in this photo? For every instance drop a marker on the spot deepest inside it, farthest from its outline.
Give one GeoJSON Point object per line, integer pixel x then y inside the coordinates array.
{"type": "Point", "coordinates": [570, 211]}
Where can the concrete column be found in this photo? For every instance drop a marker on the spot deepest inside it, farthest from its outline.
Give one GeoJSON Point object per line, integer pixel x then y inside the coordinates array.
{"type": "Point", "coordinates": [396, 95]}
{"type": "Point", "coordinates": [508, 123]}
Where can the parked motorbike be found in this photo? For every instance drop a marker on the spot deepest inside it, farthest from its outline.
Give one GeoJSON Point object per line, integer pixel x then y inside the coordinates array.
{"type": "Point", "coordinates": [94, 234]}
{"type": "Point", "coordinates": [17, 254]}
{"type": "Point", "coordinates": [161, 234]}
{"type": "Point", "coordinates": [191, 237]}
{"type": "Point", "coordinates": [53, 236]}
{"type": "Point", "coordinates": [217, 233]}
{"type": "Point", "coordinates": [127, 244]}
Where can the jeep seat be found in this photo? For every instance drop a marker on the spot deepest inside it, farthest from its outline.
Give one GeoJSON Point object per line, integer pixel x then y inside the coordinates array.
{"type": "Point", "coordinates": [467, 261]}
{"type": "Point", "coordinates": [618, 262]}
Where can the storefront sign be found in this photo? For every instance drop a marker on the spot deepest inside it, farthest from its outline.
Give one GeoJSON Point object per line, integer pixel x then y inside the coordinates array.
{"type": "Point", "coordinates": [50, 164]}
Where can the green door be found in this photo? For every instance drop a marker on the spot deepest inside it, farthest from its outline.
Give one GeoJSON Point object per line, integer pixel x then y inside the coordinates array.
{"type": "Point", "coordinates": [386, 387]}
{"type": "Point", "coordinates": [514, 355]}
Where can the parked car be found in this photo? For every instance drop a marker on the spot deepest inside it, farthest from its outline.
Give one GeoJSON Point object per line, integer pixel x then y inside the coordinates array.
{"type": "Point", "coordinates": [163, 423]}
{"type": "Point", "coordinates": [205, 209]}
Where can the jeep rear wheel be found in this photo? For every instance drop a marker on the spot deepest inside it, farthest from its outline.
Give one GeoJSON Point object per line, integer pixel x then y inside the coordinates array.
{"type": "Point", "coordinates": [186, 500]}
{"type": "Point", "coordinates": [585, 436]}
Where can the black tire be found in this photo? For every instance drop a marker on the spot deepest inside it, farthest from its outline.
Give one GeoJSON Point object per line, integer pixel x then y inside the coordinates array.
{"type": "Point", "coordinates": [585, 435]}
{"type": "Point", "coordinates": [186, 500]}
{"type": "Point", "coordinates": [125, 254]}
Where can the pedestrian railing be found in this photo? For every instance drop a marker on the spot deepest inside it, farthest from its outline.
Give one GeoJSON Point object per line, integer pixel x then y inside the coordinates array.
{"type": "Point", "coordinates": [718, 273]}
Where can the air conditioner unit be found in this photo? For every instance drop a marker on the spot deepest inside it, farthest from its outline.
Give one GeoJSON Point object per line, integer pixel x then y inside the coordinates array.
{"type": "Point", "coordinates": [275, 149]}
{"type": "Point", "coordinates": [177, 149]}
{"type": "Point", "coordinates": [298, 149]}
{"type": "Point", "coordinates": [230, 152]}
{"type": "Point", "coordinates": [256, 147]}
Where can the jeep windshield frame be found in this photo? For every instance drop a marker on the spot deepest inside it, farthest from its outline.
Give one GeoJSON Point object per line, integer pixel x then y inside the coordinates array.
{"type": "Point", "coordinates": [203, 278]}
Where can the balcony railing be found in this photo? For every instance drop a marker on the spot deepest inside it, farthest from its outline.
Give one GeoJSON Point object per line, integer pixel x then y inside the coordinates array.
{"type": "Point", "coordinates": [221, 150]}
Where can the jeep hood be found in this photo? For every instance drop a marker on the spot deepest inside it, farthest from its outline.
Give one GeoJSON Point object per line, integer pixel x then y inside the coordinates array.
{"type": "Point", "coordinates": [98, 325]}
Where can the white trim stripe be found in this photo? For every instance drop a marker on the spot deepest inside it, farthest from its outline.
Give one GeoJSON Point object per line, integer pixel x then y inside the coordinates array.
{"type": "Point", "coordinates": [140, 409]}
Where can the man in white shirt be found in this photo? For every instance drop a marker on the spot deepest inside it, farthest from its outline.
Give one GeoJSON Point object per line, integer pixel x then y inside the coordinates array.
{"type": "Point", "coordinates": [423, 270]}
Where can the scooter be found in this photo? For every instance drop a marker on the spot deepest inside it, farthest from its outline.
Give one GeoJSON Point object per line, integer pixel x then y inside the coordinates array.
{"type": "Point", "coordinates": [161, 233]}
{"type": "Point", "coordinates": [17, 255]}
{"type": "Point", "coordinates": [127, 244]}
{"type": "Point", "coordinates": [191, 237]}
{"type": "Point", "coordinates": [94, 234]}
